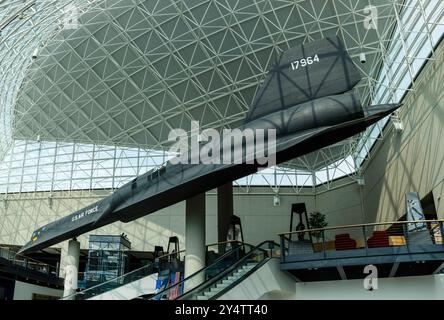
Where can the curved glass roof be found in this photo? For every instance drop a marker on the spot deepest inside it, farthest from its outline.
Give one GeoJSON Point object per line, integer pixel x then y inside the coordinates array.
{"type": "Point", "coordinates": [24, 27]}
{"type": "Point", "coordinates": [111, 78]}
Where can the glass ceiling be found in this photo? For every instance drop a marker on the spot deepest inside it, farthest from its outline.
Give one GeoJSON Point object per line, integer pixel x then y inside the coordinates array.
{"type": "Point", "coordinates": [24, 26]}
{"type": "Point", "coordinates": [420, 26]}
{"type": "Point", "coordinates": [406, 35]}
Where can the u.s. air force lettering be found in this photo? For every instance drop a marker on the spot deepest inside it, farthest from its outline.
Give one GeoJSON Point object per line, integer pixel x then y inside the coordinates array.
{"type": "Point", "coordinates": [85, 213]}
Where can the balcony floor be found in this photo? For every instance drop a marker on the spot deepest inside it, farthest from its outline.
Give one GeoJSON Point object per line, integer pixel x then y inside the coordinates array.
{"type": "Point", "coordinates": [395, 261]}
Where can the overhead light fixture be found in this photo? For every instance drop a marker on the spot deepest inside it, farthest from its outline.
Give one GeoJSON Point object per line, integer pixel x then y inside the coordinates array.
{"type": "Point", "coordinates": [360, 180]}
{"type": "Point", "coordinates": [362, 57]}
{"type": "Point", "coordinates": [276, 200]}
{"type": "Point", "coordinates": [34, 54]}
{"type": "Point", "coordinates": [50, 201]}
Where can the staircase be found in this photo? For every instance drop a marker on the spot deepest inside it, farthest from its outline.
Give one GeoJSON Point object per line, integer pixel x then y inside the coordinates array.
{"type": "Point", "coordinates": [141, 281]}
{"type": "Point", "coordinates": [236, 275]}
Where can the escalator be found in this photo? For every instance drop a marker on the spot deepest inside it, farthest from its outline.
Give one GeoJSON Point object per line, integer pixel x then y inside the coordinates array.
{"type": "Point", "coordinates": [222, 275]}
{"type": "Point", "coordinates": [144, 282]}
{"type": "Point", "coordinates": [128, 286]}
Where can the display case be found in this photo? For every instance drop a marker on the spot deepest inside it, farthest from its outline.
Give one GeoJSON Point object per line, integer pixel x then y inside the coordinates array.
{"type": "Point", "coordinates": [107, 258]}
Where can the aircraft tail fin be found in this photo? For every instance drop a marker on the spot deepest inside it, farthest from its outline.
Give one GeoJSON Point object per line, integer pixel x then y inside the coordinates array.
{"type": "Point", "coordinates": [307, 72]}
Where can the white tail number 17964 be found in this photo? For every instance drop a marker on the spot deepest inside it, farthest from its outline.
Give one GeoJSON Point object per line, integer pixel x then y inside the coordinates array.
{"type": "Point", "coordinates": [303, 62]}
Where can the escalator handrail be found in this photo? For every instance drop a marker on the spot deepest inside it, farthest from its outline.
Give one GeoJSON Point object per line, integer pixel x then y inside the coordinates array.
{"type": "Point", "coordinates": [150, 264]}
{"type": "Point", "coordinates": [166, 287]}
{"type": "Point", "coordinates": [243, 277]}
{"type": "Point", "coordinates": [215, 262]}
{"type": "Point", "coordinates": [147, 266]}
{"type": "Point", "coordinates": [230, 269]}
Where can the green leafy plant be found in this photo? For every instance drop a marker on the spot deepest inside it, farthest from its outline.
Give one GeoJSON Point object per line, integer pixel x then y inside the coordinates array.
{"type": "Point", "coordinates": [317, 221]}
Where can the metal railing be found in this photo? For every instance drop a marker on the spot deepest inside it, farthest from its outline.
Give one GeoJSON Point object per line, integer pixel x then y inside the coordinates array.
{"type": "Point", "coordinates": [160, 264]}
{"type": "Point", "coordinates": [257, 256]}
{"type": "Point", "coordinates": [112, 284]}
{"type": "Point", "coordinates": [27, 263]}
{"type": "Point", "coordinates": [190, 287]}
{"type": "Point", "coordinates": [368, 238]}
{"type": "Point", "coordinates": [205, 274]}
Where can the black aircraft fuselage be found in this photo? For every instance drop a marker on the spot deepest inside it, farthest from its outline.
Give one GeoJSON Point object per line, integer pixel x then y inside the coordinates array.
{"type": "Point", "coordinates": [307, 98]}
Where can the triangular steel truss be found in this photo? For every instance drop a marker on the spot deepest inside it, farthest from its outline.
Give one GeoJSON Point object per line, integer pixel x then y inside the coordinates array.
{"type": "Point", "coordinates": [119, 75]}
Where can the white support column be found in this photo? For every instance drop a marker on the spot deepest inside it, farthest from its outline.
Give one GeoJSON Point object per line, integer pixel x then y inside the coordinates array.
{"type": "Point", "coordinates": [72, 268]}
{"type": "Point", "coordinates": [195, 239]}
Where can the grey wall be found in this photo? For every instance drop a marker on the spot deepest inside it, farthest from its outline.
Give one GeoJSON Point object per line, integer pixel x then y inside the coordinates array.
{"type": "Point", "coordinates": [429, 287]}
{"type": "Point", "coordinates": [412, 160]}
{"type": "Point", "coordinates": [261, 220]}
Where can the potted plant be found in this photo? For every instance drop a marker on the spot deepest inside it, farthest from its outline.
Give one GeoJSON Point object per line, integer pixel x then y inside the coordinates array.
{"type": "Point", "coordinates": [317, 221]}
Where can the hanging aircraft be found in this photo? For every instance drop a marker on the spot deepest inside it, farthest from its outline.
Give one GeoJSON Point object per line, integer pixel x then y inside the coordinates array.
{"type": "Point", "coordinates": [308, 102]}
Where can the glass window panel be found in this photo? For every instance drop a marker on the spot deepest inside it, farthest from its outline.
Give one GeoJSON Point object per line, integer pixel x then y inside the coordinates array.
{"type": "Point", "coordinates": [413, 30]}
{"type": "Point", "coordinates": [33, 163]}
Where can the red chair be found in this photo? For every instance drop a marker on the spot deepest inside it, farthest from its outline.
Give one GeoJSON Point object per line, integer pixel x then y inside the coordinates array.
{"type": "Point", "coordinates": [378, 239]}
{"type": "Point", "coordinates": [344, 242]}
